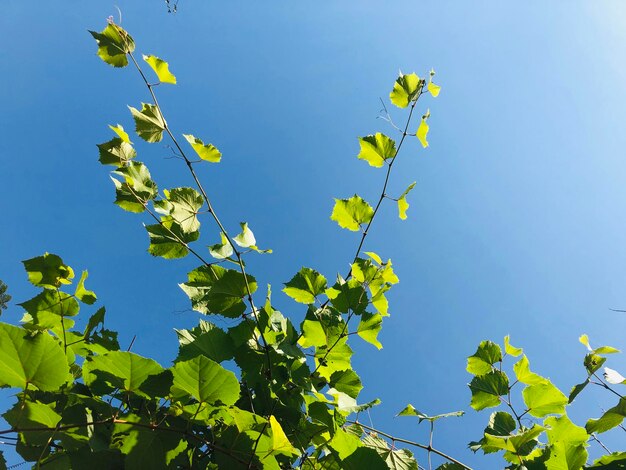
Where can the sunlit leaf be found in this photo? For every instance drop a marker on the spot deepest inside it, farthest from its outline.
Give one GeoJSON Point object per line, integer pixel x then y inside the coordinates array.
{"type": "Point", "coordinates": [481, 362]}
{"type": "Point", "coordinates": [544, 398]}
{"type": "Point", "coordinates": [181, 205]}
{"type": "Point", "coordinates": [376, 149]}
{"type": "Point", "coordinates": [611, 418]}
{"type": "Point", "coordinates": [135, 188]}
{"type": "Point", "coordinates": [25, 360]}
{"type": "Point", "coordinates": [161, 68]}
{"type": "Point", "coordinates": [149, 123]}
{"type": "Point", "coordinates": [487, 389]}
{"type": "Point", "coordinates": [221, 250]}
{"type": "Point", "coordinates": [206, 381]}
{"type": "Point", "coordinates": [48, 271]}
{"type": "Point", "coordinates": [305, 286]}
{"type": "Point", "coordinates": [405, 90]}
{"type": "Point", "coordinates": [524, 375]}
{"type": "Point", "coordinates": [206, 152]}
{"type": "Point", "coordinates": [246, 238]}
{"type": "Point", "coordinates": [511, 350]}
{"type": "Point", "coordinates": [84, 295]}
{"type": "Point", "coordinates": [113, 45]}
{"type": "Point", "coordinates": [369, 327]}
{"type": "Point", "coordinates": [422, 130]}
{"type": "Point", "coordinates": [351, 213]}
{"type": "Point", "coordinates": [403, 205]}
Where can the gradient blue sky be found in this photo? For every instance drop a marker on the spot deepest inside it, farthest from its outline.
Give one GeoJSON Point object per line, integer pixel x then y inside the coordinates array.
{"type": "Point", "coordinates": [516, 225]}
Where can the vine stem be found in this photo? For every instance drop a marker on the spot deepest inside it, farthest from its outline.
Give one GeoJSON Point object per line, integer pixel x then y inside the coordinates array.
{"type": "Point", "coordinates": [383, 195]}
{"type": "Point", "coordinates": [428, 448]}
{"type": "Point", "coordinates": [603, 384]}
{"type": "Point", "coordinates": [210, 208]}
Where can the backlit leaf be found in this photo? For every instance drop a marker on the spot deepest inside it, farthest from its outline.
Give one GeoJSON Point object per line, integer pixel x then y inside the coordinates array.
{"type": "Point", "coordinates": [135, 188]}
{"type": "Point", "coordinates": [487, 389]}
{"type": "Point", "coordinates": [543, 399]}
{"type": "Point", "coordinates": [113, 45]}
{"type": "Point", "coordinates": [481, 362]}
{"type": "Point", "coordinates": [305, 286]}
{"type": "Point", "coordinates": [511, 350]}
{"type": "Point", "coordinates": [206, 152]}
{"type": "Point", "coordinates": [221, 250]}
{"type": "Point", "coordinates": [351, 213]}
{"type": "Point", "coordinates": [405, 90]}
{"type": "Point", "coordinates": [48, 271]}
{"type": "Point", "coordinates": [611, 418]}
{"type": "Point", "coordinates": [86, 296]}
{"type": "Point", "coordinates": [524, 375]}
{"type": "Point", "coordinates": [403, 205]}
{"type": "Point", "coordinates": [369, 327]}
{"type": "Point", "coordinates": [246, 238]}
{"type": "Point", "coordinates": [161, 68]}
{"type": "Point", "coordinates": [169, 241]}
{"type": "Point", "coordinates": [422, 130]}
{"type": "Point", "coordinates": [181, 205]}
{"type": "Point", "coordinates": [149, 123]}
{"type": "Point", "coordinates": [376, 149]}
{"type": "Point", "coordinates": [25, 360]}
{"type": "Point", "coordinates": [206, 381]}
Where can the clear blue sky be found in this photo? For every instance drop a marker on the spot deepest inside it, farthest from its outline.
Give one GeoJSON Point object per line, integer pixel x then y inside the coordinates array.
{"type": "Point", "coordinates": [516, 224]}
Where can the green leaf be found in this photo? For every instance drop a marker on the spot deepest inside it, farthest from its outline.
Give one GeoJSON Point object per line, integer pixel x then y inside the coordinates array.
{"type": "Point", "coordinates": [206, 152]}
{"type": "Point", "coordinates": [422, 130]}
{"type": "Point", "coordinates": [432, 88]}
{"type": "Point", "coordinates": [113, 45]}
{"type": "Point", "coordinates": [576, 389]}
{"type": "Point", "coordinates": [410, 410]}
{"type": "Point", "coordinates": [117, 151]}
{"type": "Point", "coordinates": [487, 389]}
{"type": "Point", "coordinates": [305, 286]}
{"type": "Point", "coordinates": [376, 149]}
{"type": "Point", "coordinates": [246, 238]}
{"type": "Point", "coordinates": [517, 443]}
{"type": "Point", "coordinates": [206, 339]}
{"type": "Point", "coordinates": [135, 188]}
{"type": "Point", "coordinates": [500, 424]}
{"type": "Point", "coordinates": [206, 381]}
{"type": "Point", "coordinates": [213, 289]}
{"type": "Point", "coordinates": [613, 461]}
{"type": "Point", "coordinates": [121, 133]}
{"type": "Point", "coordinates": [161, 68]}
{"type": "Point", "coordinates": [524, 375]}
{"type": "Point", "coordinates": [32, 414]}
{"type": "Point", "coordinates": [611, 418]}
{"type": "Point", "coordinates": [561, 429]}
{"type": "Point", "coordinates": [584, 339]}
{"type": "Point", "coordinates": [344, 443]}
{"type": "Point", "coordinates": [24, 360]}
{"type": "Point", "coordinates": [149, 123]}
{"type": "Point", "coordinates": [48, 271]}
{"type": "Point", "coordinates": [313, 334]}
{"type": "Point", "coordinates": [369, 327]}
{"type": "Point", "coordinates": [349, 295]}
{"type": "Point", "coordinates": [511, 350]}
{"type": "Point", "coordinates": [481, 362]}
{"type": "Point", "coordinates": [543, 399]}
{"type": "Point", "coordinates": [221, 250]}
{"type": "Point", "coordinates": [280, 443]}
{"type": "Point", "coordinates": [346, 381]}
{"type": "Point", "coordinates": [94, 320]}
{"type": "Point", "coordinates": [50, 305]}
{"type": "Point", "coordinates": [351, 213]}
{"type": "Point", "coordinates": [169, 241]}
{"type": "Point", "coordinates": [119, 369]}
{"type": "Point", "coordinates": [405, 90]}
{"type": "Point", "coordinates": [181, 205]}
{"type": "Point", "coordinates": [86, 296]}
{"type": "Point", "coordinates": [396, 459]}
{"type": "Point", "coordinates": [403, 205]}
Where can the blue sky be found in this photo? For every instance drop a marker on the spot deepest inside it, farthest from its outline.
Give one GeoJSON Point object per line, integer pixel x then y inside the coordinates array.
{"type": "Point", "coordinates": [516, 224]}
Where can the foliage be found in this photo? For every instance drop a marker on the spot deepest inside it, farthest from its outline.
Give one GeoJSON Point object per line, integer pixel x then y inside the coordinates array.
{"type": "Point", "coordinates": [292, 396]}
{"type": "Point", "coordinates": [4, 297]}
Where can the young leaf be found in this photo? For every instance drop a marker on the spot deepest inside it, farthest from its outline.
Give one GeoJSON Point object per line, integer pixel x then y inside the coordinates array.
{"type": "Point", "coordinates": [511, 350]}
{"type": "Point", "coordinates": [206, 152]}
{"type": "Point", "coordinates": [161, 68]}
{"type": "Point", "coordinates": [403, 205]}
{"type": "Point", "coordinates": [113, 45]}
{"type": "Point", "coordinates": [86, 296]}
{"type": "Point", "coordinates": [121, 133]}
{"type": "Point", "coordinates": [422, 130]}
{"type": "Point", "coordinates": [116, 152]}
{"type": "Point", "coordinates": [149, 123]}
{"type": "Point", "coordinates": [432, 88]}
{"type": "Point", "coordinates": [221, 250]}
{"type": "Point", "coordinates": [405, 89]}
{"type": "Point", "coordinates": [376, 149]}
{"type": "Point", "coordinates": [351, 213]}
{"type": "Point", "coordinates": [305, 286]}
{"type": "Point", "coordinates": [246, 238]}
{"type": "Point", "coordinates": [524, 375]}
